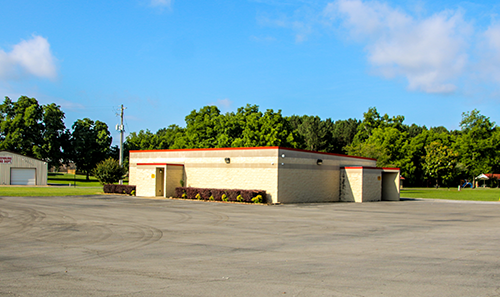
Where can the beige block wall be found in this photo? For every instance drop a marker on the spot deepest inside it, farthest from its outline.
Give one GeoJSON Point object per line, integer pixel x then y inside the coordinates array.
{"type": "Point", "coordinates": [299, 179]}
{"type": "Point", "coordinates": [390, 185]}
{"type": "Point", "coordinates": [254, 169]}
{"type": "Point", "coordinates": [351, 188]}
{"type": "Point", "coordinates": [144, 178]}
{"type": "Point", "coordinates": [361, 185]}
{"type": "Point", "coordinates": [173, 179]}
{"type": "Point", "coordinates": [372, 185]}
{"type": "Point", "coordinates": [19, 161]}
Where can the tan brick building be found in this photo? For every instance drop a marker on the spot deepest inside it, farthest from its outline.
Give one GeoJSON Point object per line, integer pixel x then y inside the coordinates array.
{"type": "Point", "coordinates": [287, 175]}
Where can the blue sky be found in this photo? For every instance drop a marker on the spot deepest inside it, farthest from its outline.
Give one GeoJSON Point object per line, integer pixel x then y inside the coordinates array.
{"type": "Point", "coordinates": [427, 60]}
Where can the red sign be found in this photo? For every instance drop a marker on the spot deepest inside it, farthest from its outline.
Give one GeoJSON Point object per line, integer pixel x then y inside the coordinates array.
{"type": "Point", "coordinates": [5, 160]}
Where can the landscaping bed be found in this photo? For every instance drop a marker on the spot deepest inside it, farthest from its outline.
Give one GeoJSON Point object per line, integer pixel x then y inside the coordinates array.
{"type": "Point", "coordinates": [227, 195]}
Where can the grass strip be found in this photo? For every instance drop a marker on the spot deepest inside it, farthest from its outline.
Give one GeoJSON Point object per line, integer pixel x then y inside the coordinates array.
{"type": "Point", "coordinates": [479, 194]}
{"type": "Point", "coordinates": [50, 191]}
{"type": "Point", "coordinates": [71, 179]}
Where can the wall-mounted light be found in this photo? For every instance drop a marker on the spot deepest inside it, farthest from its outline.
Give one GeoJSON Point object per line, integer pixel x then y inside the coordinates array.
{"type": "Point", "coordinates": [227, 160]}
{"type": "Point", "coordinates": [283, 155]}
{"type": "Point", "coordinates": [319, 162]}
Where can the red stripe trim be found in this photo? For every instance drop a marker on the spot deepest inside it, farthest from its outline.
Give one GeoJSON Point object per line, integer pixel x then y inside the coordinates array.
{"type": "Point", "coordinates": [359, 167]}
{"type": "Point", "coordinates": [251, 148]}
{"type": "Point", "coordinates": [208, 149]}
{"type": "Point", "coordinates": [367, 167]}
{"type": "Point", "coordinates": [391, 168]}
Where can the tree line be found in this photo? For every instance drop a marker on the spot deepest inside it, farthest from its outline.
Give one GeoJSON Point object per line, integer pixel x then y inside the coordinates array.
{"type": "Point", "coordinates": [38, 131]}
{"type": "Point", "coordinates": [426, 156]}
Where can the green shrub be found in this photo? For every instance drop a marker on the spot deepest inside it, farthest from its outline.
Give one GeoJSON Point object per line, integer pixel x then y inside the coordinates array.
{"type": "Point", "coordinates": [211, 198]}
{"type": "Point", "coordinates": [239, 198]}
{"type": "Point", "coordinates": [119, 189]}
{"type": "Point", "coordinates": [257, 199]}
{"type": "Point", "coordinates": [109, 171]}
{"type": "Point", "coordinates": [198, 196]}
{"type": "Point", "coordinates": [184, 195]}
{"type": "Point", "coordinates": [224, 197]}
{"type": "Point", "coordinates": [132, 193]}
{"type": "Point", "coordinates": [181, 182]}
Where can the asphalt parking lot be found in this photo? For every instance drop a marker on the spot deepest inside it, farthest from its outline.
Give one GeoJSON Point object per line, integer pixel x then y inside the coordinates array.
{"type": "Point", "coordinates": [128, 246]}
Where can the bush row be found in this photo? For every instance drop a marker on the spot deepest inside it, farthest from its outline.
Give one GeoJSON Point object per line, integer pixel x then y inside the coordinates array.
{"type": "Point", "coordinates": [120, 189]}
{"type": "Point", "coordinates": [250, 196]}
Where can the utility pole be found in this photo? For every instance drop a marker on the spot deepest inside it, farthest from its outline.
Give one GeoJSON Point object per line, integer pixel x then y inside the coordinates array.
{"type": "Point", "coordinates": [120, 128]}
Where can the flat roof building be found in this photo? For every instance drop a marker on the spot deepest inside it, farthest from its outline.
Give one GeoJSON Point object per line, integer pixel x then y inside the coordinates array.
{"type": "Point", "coordinates": [287, 175]}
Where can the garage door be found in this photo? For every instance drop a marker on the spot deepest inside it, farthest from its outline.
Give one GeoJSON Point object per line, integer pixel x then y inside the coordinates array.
{"type": "Point", "coordinates": [22, 176]}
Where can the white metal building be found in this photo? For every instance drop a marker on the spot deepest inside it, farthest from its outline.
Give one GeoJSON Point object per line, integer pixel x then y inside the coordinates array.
{"type": "Point", "coordinates": [16, 169]}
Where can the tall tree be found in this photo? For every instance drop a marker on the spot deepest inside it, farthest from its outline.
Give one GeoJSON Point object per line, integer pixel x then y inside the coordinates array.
{"type": "Point", "coordinates": [90, 142]}
{"type": "Point", "coordinates": [268, 129]}
{"type": "Point", "coordinates": [21, 126]}
{"type": "Point", "coordinates": [474, 144]}
{"type": "Point", "coordinates": [33, 130]}
{"type": "Point", "coordinates": [343, 135]}
{"type": "Point", "coordinates": [315, 133]}
{"type": "Point", "coordinates": [388, 145]}
{"type": "Point", "coordinates": [201, 127]}
{"type": "Point", "coordinates": [440, 162]}
{"type": "Point", "coordinates": [372, 120]}
{"type": "Point", "coordinates": [55, 136]}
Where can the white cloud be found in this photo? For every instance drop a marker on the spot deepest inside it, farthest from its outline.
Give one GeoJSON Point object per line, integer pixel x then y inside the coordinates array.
{"type": "Point", "coordinates": [161, 3]}
{"type": "Point", "coordinates": [226, 103]}
{"type": "Point", "coordinates": [489, 65]}
{"type": "Point", "coordinates": [29, 57]}
{"type": "Point", "coordinates": [301, 22]}
{"type": "Point", "coordinates": [431, 53]}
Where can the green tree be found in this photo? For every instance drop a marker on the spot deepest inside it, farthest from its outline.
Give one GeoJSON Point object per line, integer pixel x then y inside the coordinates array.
{"type": "Point", "coordinates": [440, 162]}
{"type": "Point", "coordinates": [314, 134]}
{"type": "Point", "coordinates": [201, 127]}
{"type": "Point", "coordinates": [55, 136]}
{"type": "Point", "coordinates": [90, 142]}
{"type": "Point", "coordinates": [33, 130]}
{"type": "Point", "coordinates": [412, 164]}
{"type": "Point", "coordinates": [21, 126]}
{"type": "Point", "coordinates": [109, 171]}
{"type": "Point", "coordinates": [343, 134]}
{"type": "Point", "coordinates": [476, 143]}
{"type": "Point", "coordinates": [373, 120]}
{"type": "Point", "coordinates": [167, 138]}
{"type": "Point", "coordinates": [140, 141]}
{"type": "Point", "coordinates": [268, 129]}
{"type": "Point", "coordinates": [388, 145]}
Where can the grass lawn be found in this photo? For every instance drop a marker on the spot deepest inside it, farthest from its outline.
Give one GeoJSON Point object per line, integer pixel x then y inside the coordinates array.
{"type": "Point", "coordinates": [83, 187]}
{"type": "Point", "coordinates": [49, 191]}
{"type": "Point", "coordinates": [78, 179]}
{"type": "Point", "coordinates": [479, 194]}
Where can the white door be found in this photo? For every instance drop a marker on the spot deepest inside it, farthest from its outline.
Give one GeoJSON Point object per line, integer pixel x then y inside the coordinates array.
{"type": "Point", "coordinates": [22, 176]}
